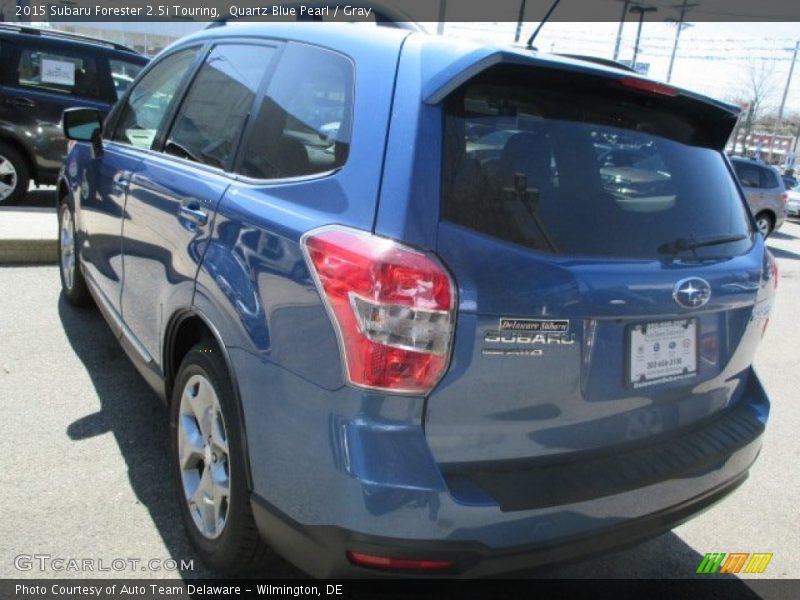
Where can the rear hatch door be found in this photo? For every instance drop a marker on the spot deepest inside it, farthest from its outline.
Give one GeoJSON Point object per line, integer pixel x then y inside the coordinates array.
{"type": "Point", "coordinates": [606, 264]}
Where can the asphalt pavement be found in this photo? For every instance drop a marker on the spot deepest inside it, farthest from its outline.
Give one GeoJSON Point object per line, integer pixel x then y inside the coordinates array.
{"type": "Point", "coordinates": [85, 470]}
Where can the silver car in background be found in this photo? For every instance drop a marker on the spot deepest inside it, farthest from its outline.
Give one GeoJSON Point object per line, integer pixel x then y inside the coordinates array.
{"type": "Point", "coordinates": [793, 202]}
{"type": "Point", "coordinates": [765, 193]}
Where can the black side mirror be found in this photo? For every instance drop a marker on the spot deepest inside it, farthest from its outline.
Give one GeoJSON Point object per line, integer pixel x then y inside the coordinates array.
{"type": "Point", "coordinates": [84, 125]}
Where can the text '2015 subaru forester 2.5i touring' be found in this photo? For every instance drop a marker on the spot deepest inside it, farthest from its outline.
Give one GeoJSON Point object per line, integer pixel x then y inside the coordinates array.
{"type": "Point", "coordinates": [421, 305]}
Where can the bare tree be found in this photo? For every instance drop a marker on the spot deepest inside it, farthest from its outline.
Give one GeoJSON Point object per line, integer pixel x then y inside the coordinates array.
{"type": "Point", "coordinates": [758, 90]}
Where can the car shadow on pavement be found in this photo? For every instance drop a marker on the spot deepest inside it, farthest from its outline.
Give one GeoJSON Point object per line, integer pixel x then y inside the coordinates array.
{"type": "Point", "coordinates": [136, 417]}
{"type": "Point", "coordinates": [139, 423]}
{"type": "Point", "coordinates": [44, 197]}
{"type": "Point", "coordinates": [782, 235]}
{"type": "Point", "coordinates": [781, 253]}
{"type": "Point", "coordinates": [646, 564]}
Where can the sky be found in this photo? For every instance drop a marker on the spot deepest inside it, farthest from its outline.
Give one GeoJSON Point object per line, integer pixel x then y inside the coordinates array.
{"type": "Point", "coordinates": [713, 58]}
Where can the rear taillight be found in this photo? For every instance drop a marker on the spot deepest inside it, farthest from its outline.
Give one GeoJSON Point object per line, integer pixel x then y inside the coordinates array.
{"type": "Point", "coordinates": [393, 307]}
{"type": "Point", "coordinates": [774, 271]}
{"type": "Point", "coordinates": [70, 145]}
{"type": "Point", "coordinates": [784, 197]}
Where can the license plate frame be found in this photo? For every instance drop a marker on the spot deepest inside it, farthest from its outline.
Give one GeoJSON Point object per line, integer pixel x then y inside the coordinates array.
{"type": "Point", "coordinates": [662, 351]}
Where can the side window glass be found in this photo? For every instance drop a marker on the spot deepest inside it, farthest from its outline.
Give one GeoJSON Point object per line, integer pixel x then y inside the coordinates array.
{"type": "Point", "coordinates": [56, 70]}
{"type": "Point", "coordinates": [217, 105]}
{"type": "Point", "coordinates": [147, 105]}
{"type": "Point", "coordinates": [122, 75]}
{"type": "Point", "coordinates": [304, 122]}
{"type": "Point", "coordinates": [5, 61]}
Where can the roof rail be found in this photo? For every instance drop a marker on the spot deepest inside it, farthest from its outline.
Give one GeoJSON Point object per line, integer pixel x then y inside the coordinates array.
{"type": "Point", "coordinates": [63, 35]}
{"type": "Point", "coordinates": [385, 16]}
{"type": "Point", "coordinates": [606, 62]}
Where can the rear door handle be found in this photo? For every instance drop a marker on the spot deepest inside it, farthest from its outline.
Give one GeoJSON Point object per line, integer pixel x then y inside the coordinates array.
{"type": "Point", "coordinates": [21, 102]}
{"type": "Point", "coordinates": [194, 214]}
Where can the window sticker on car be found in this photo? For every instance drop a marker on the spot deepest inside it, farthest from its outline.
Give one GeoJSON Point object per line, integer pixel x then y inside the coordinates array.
{"type": "Point", "coordinates": [549, 325]}
{"type": "Point", "coordinates": [61, 72]}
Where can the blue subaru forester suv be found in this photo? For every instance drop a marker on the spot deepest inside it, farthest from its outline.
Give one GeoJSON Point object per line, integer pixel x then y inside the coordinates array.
{"type": "Point", "coordinates": [420, 305]}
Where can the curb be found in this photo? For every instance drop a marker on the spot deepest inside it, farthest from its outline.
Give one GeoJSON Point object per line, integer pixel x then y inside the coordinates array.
{"type": "Point", "coordinates": [36, 252]}
{"type": "Point", "coordinates": [28, 235]}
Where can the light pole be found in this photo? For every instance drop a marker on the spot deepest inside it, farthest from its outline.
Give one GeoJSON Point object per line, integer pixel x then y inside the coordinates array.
{"type": "Point", "coordinates": [779, 122]}
{"type": "Point", "coordinates": [625, 4]}
{"type": "Point", "coordinates": [442, 13]}
{"type": "Point", "coordinates": [640, 10]}
{"type": "Point", "coordinates": [520, 20]}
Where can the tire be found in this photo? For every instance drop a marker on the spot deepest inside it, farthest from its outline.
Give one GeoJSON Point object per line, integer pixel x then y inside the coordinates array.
{"type": "Point", "coordinates": [220, 527]}
{"type": "Point", "coordinates": [14, 175]}
{"type": "Point", "coordinates": [765, 223]}
{"type": "Point", "coordinates": [73, 285]}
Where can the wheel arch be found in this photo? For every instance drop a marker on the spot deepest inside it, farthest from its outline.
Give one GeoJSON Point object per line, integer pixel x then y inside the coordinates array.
{"type": "Point", "coordinates": [768, 212]}
{"type": "Point", "coordinates": [185, 329]}
{"type": "Point", "coordinates": [63, 190]}
{"type": "Point", "coordinates": [24, 151]}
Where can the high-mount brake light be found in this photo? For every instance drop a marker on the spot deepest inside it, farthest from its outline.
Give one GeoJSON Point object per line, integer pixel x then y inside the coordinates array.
{"type": "Point", "coordinates": [644, 85]}
{"type": "Point", "coordinates": [393, 307]}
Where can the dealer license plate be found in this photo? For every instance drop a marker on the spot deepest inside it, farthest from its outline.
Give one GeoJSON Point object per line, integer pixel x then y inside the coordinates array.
{"type": "Point", "coordinates": [662, 351]}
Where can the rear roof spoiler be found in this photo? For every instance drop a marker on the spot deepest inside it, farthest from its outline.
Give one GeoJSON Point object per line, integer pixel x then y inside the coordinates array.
{"type": "Point", "coordinates": [469, 65]}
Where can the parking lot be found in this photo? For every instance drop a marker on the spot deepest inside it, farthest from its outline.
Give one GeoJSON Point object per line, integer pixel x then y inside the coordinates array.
{"type": "Point", "coordinates": [86, 474]}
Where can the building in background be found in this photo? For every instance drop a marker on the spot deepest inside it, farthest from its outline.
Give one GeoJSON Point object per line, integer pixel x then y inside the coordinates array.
{"type": "Point", "coordinates": [146, 38]}
{"type": "Point", "coordinates": [758, 144]}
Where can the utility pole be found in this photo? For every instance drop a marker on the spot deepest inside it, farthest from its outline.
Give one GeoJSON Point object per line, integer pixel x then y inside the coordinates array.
{"type": "Point", "coordinates": [520, 20]}
{"type": "Point", "coordinates": [625, 4]}
{"type": "Point", "coordinates": [779, 122]}
{"type": "Point", "coordinates": [680, 27]}
{"type": "Point", "coordinates": [641, 10]}
{"type": "Point", "coordinates": [442, 12]}
{"type": "Point", "coordinates": [788, 81]}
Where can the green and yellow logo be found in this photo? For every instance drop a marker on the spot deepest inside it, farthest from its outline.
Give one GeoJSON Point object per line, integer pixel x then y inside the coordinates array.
{"type": "Point", "coordinates": [734, 562]}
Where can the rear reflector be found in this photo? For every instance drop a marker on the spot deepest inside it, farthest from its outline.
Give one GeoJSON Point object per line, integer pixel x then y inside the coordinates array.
{"type": "Point", "coordinates": [644, 85]}
{"type": "Point", "coordinates": [774, 273]}
{"type": "Point", "coordinates": [398, 564]}
{"type": "Point", "coordinates": [393, 308]}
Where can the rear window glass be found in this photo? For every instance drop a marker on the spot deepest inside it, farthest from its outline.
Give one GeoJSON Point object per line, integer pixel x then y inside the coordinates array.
{"type": "Point", "coordinates": [548, 164]}
{"type": "Point", "coordinates": [770, 178]}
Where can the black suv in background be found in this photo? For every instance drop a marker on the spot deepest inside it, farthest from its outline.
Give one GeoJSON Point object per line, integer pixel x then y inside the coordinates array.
{"type": "Point", "coordinates": [43, 72]}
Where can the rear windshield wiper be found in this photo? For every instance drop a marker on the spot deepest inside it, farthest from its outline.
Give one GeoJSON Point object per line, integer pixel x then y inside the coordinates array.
{"type": "Point", "coordinates": [682, 244]}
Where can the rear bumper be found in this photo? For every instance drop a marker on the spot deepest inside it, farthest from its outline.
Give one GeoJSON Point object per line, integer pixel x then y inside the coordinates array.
{"type": "Point", "coordinates": [378, 497]}
{"type": "Point", "coordinates": [321, 550]}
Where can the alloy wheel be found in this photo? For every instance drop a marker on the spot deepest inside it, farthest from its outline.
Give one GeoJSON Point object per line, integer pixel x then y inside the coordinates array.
{"type": "Point", "coordinates": [8, 178]}
{"type": "Point", "coordinates": [67, 247]}
{"type": "Point", "coordinates": [203, 456]}
{"type": "Point", "coordinates": [764, 225]}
